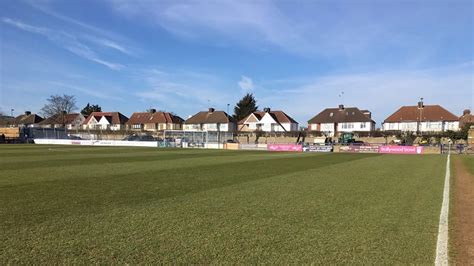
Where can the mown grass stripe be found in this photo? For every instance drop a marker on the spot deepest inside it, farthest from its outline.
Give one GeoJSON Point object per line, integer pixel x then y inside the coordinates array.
{"type": "Point", "coordinates": [265, 208]}
{"type": "Point", "coordinates": [442, 257]}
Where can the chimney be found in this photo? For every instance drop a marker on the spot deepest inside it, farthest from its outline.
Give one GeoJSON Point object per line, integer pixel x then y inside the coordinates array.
{"type": "Point", "coordinates": [420, 104]}
{"type": "Point", "coordinates": [266, 110]}
{"type": "Point", "coordinates": [152, 110]}
{"type": "Point", "coordinates": [466, 112]}
{"type": "Point", "coordinates": [27, 113]}
{"type": "Point", "coordinates": [341, 107]}
{"type": "Point", "coordinates": [211, 110]}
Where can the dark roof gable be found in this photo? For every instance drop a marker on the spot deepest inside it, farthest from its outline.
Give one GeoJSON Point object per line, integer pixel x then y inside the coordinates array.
{"type": "Point", "coordinates": [116, 117]}
{"type": "Point", "coordinates": [340, 115]}
{"type": "Point", "coordinates": [28, 119]}
{"type": "Point", "coordinates": [206, 117]}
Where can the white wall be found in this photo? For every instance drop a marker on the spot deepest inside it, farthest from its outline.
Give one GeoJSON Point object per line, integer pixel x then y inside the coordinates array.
{"type": "Point", "coordinates": [327, 128]}
{"type": "Point", "coordinates": [91, 124]}
{"type": "Point", "coordinates": [269, 124]}
{"type": "Point", "coordinates": [454, 125]}
{"type": "Point", "coordinates": [192, 127]}
{"type": "Point", "coordinates": [290, 126]}
{"type": "Point", "coordinates": [103, 123]}
{"type": "Point", "coordinates": [354, 126]}
{"type": "Point", "coordinates": [224, 127]}
{"type": "Point", "coordinates": [116, 127]}
{"type": "Point", "coordinates": [433, 126]}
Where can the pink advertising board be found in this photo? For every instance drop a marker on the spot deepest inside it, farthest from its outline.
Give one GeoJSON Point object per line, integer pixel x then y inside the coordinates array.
{"type": "Point", "coordinates": [285, 147]}
{"type": "Point", "coordinates": [401, 149]}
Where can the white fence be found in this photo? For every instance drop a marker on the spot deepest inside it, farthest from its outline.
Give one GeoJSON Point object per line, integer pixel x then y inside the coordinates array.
{"type": "Point", "coordinates": [121, 143]}
{"type": "Point", "coordinates": [98, 142]}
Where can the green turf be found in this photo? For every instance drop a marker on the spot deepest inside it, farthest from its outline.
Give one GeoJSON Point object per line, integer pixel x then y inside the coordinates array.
{"type": "Point", "coordinates": [143, 205]}
{"type": "Point", "coordinates": [469, 162]}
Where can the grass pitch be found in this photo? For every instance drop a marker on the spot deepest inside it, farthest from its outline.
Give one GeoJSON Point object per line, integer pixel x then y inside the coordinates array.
{"type": "Point", "coordinates": [469, 162]}
{"type": "Point", "coordinates": [143, 205]}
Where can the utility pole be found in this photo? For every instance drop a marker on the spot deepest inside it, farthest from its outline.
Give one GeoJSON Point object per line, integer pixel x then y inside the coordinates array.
{"type": "Point", "coordinates": [420, 108]}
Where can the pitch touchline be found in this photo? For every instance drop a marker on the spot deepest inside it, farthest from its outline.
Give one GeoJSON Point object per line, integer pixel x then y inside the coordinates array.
{"type": "Point", "coordinates": [442, 243]}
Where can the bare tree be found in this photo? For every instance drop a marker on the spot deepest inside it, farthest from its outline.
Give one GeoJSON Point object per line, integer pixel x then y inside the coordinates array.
{"type": "Point", "coordinates": [58, 106]}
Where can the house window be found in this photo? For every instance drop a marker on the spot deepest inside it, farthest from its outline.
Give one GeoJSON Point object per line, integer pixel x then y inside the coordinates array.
{"type": "Point", "coordinates": [362, 125]}
{"type": "Point", "coordinates": [347, 125]}
{"type": "Point", "coordinates": [136, 126]}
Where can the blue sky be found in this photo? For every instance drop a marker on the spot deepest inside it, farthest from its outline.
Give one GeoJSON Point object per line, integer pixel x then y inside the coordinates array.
{"type": "Point", "coordinates": [184, 56]}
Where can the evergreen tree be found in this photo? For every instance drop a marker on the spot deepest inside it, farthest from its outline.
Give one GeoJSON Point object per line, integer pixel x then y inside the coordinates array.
{"type": "Point", "coordinates": [245, 106]}
{"type": "Point", "coordinates": [88, 109]}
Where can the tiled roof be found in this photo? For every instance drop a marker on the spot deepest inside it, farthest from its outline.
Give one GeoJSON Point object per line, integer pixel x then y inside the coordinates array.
{"type": "Point", "coordinates": [154, 118]}
{"type": "Point", "coordinates": [115, 117]}
{"type": "Point", "coordinates": [60, 119]}
{"type": "Point", "coordinates": [340, 115]}
{"type": "Point", "coordinates": [6, 120]}
{"type": "Point", "coordinates": [206, 117]}
{"type": "Point", "coordinates": [28, 119]}
{"type": "Point", "coordinates": [466, 118]}
{"type": "Point", "coordinates": [427, 113]}
{"type": "Point", "coordinates": [278, 116]}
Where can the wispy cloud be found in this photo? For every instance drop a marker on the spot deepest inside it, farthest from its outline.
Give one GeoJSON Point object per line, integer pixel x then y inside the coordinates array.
{"type": "Point", "coordinates": [91, 92]}
{"type": "Point", "coordinates": [108, 39]}
{"type": "Point", "coordinates": [108, 43]}
{"type": "Point", "coordinates": [250, 21]}
{"type": "Point", "coordinates": [246, 84]}
{"type": "Point", "coordinates": [188, 91]}
{"type": "Point", "coordinates": [66, 41]}
{"type": "Point", "coordinates": [326, 29]}
{"type": "Point", "coordinates": [26, 27]}
{"type": "Point", "coordinates": [381, 92]}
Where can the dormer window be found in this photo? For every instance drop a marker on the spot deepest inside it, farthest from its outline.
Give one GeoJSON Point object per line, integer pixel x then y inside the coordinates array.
{"type": "Point", "coordinates": [331, 114]}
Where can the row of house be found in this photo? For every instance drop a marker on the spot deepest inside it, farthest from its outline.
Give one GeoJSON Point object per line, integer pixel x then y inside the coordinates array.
{"type": "Point", "coordinates": [330, 121]}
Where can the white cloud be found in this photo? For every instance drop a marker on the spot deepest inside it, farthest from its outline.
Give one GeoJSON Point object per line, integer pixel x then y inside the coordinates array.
{"type": "Point", "coordinates": [326, 29]}
{"type": "Point", "coordinates": [184, 91]}
{"type": "Point", "coordinates": [26, 27]}
{"type": "Point", "coordinates": [108, 44]}
{"type": "Point", "coordinates": [246, 84]}
{"type": "Point", "coordinates": [380, 92]}
{"type": "Point", "coordinates": [65, 40]}
{"type": "Point", "coordinates": [85, 52]}
{"type": "Point", "coordinates": [249, 21]}
{"type": "Point", "coordinates": [98, 93]}
{"type": "Point", "coordinates": [106, 36]}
